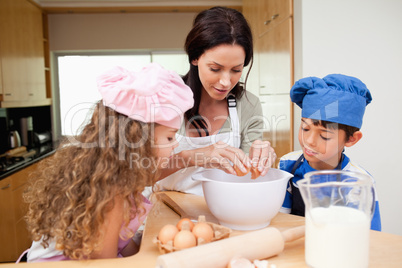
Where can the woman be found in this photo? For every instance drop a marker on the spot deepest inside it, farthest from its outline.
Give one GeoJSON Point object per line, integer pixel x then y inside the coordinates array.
{"type": "Point", "coordinates": [226, 121]}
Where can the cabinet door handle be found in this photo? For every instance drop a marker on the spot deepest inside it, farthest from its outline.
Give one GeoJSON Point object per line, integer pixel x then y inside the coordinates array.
{"type": "Point", "coordinates": [8, 94]}
{"type": "Point", "coordinates": [30, 94]}
{"type": "Point", "coordinates": [274, 16]}
{"type": "Point", "coordinates": [5, 187]}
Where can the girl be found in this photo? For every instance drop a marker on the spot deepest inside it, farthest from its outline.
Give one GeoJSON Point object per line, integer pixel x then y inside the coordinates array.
{"type": "Point", "coordinates": [86, 200]}
{"type": "Point", "coordinates": [226, 121]}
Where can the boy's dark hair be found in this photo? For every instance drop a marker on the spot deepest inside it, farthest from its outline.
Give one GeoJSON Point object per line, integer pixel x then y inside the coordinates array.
{"type": "Point", "coordinates": [349, 130]}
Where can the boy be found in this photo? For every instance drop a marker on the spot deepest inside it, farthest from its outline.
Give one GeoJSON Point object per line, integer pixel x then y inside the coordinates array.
{"type": "Point", "coordinates": [332, 115]}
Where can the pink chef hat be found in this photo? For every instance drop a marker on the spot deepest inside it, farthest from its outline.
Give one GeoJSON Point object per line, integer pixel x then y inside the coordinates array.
{"type": "Point", "coordinates": [152, 95]}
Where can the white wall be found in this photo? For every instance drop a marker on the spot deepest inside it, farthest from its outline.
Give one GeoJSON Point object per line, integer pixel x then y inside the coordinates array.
{"type": "Point", "coordinates": [126, 31]}
{"type": "Point", "coordinates": [361, 38]}
{"type": "Point", "coordinates": [102, 32]}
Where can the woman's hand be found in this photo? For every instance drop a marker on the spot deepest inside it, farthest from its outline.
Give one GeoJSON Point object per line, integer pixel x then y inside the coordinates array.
{"type": "Point", "coordinates": [220, 155]}
{"type": "Point", "coordinates": [262, 155]}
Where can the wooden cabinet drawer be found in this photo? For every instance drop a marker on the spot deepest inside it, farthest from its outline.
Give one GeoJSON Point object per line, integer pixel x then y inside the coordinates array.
{"type": "Point", "coordinates": [21, 177]}
{"type": "Point", "coordinates": [14, 236]}
{"type": "Point", "coordinates": [271, 13]}
{"type": "Point", "coordinates": [7, 231]}
{"type": "Point", "coordinates": [276, 60]}
{"type": "Point", "coordinates": [277, 111]}
{"type": "Point", "coordinates": [23, 238]}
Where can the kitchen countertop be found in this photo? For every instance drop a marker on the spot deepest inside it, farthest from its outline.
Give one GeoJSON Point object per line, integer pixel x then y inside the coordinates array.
{"type": "Point", "coordinates": [5, 174]}
{"type": "Point", "coordinates": [385, 248]}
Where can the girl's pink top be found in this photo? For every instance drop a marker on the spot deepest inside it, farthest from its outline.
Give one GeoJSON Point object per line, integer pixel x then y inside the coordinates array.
{"type": "Point", "coordinates": [37, 253]}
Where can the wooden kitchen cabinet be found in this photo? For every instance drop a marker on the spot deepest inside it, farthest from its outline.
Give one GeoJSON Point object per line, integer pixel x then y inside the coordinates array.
{"type": "Point", "coordinates": [7, 230]}
{"type": "Point", "coordinates": [277, 122]}
{"type": "Point", "coordinates": [22, 55]}
{"type": "Point", "coordinates": [46, 54]}
{"type": "Point", "coordinates": [14, 236]}
{"type": "Point", "coordinates": [271, 22]}
{"type": "Point", "coordinates": [276, 59]}
{"type": "Point", "coordinates": [271, 13]}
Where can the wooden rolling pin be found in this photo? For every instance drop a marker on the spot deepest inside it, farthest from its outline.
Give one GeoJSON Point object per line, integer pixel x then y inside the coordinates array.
{"type": "Point", "coordinates": [254, 245]}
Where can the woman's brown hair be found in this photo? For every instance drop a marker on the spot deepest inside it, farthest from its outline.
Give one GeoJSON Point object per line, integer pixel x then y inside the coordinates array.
{"type": "Point", "coordinates": [74, 189]}
{"type": "Point", "coordinates": [211, 28]}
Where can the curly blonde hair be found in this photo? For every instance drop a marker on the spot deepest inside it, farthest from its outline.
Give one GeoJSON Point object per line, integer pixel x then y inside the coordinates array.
{"type": "Point", "coordinates": [74, 189]}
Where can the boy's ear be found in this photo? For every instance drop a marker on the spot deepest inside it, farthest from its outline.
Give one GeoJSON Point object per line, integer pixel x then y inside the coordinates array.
{"type": "Point", "coordinates": [354, 139]}
{"type": "Point", "coordinates": [194, 62]}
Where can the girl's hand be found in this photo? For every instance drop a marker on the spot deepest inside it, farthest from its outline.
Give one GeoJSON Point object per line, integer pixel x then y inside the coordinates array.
{"type": "Point", "coordinates": [222, 156]}
{"type": "Point", "coordinates": [262, 155]}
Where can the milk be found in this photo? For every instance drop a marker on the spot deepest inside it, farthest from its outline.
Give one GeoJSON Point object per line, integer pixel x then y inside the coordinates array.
{"type": "Point", "coordinates": [337, 231]}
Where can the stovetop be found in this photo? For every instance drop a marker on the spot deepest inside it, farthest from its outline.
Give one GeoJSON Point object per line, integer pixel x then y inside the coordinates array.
{"type": "Point", "coordinates": [10, 164]}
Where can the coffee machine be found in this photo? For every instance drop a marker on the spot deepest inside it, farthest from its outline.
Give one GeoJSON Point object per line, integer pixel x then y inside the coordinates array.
{"type": "Point", "coordinates": [27, 133]}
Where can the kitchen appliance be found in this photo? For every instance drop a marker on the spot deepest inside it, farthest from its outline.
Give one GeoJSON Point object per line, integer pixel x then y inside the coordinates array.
{"type": "Point", "coordinates": [14, 139]}
{"type": "Point", "coordinates": [3, 135]}
{"type": "Point", "coordinates": [27, 134]}
{"type": "Point", "coordinates": [43, 142]}
{"type": "Point", "coordinates": [43, 138]}
{"type": "Point", "coordinates": [15, 157]}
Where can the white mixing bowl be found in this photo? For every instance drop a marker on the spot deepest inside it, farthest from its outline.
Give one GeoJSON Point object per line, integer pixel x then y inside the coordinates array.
{"type": "Point", "coordinates": [241, 203]}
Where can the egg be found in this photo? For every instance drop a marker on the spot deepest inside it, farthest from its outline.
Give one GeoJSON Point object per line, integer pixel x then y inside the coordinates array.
{"type": "Point", "coordinates": [167, 233]}
{"type": "Point", "coordinates": [203, 230]}
{"type": "Point", "coordinates": [255, 173]}
{"type": "Point", "coordinates": [185, 223]}
{"type": "Point", "coordinates": [239, 172]}
{"type": "Point", "coordinates": [184, 239]}
{"type": "Point", "coordinates": [240, 262]}
{"type": "Point", "coordinates": [262, 264]}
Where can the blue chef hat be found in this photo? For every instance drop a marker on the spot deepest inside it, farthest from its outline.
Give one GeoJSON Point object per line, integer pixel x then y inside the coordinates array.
{"type": "Point", "coordinates": [335, 98]}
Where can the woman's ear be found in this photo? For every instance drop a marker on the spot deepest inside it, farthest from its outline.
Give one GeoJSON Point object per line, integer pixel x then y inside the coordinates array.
{"type": "Point", "coordinates": [354, 139]}
{"type": "Point", "coordinates": [194, 62]}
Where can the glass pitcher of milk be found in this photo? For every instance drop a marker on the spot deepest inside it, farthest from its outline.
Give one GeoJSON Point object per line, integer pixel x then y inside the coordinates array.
{"type": "Point", "coordinates": [339, 207]}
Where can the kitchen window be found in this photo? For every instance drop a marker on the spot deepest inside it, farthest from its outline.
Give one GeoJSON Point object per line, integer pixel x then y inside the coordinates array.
{"type": "Point", "coordinates": [76, 90]}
